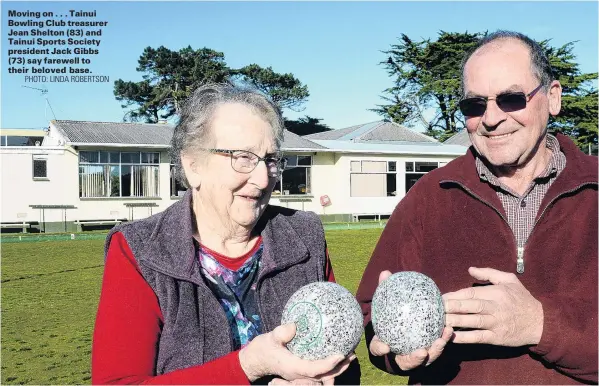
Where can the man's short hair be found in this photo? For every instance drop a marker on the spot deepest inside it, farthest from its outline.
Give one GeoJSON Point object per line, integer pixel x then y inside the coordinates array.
{"type": "Point", "coordinates": [538, 59]}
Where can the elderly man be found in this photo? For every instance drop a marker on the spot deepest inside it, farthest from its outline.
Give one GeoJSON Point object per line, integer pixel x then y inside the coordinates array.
{"type": "Point", "coordinates": [508, 232]}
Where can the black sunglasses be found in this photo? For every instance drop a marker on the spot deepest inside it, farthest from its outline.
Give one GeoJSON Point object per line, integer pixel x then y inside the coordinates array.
{"type": "Point", "coordinates": [507, 102]}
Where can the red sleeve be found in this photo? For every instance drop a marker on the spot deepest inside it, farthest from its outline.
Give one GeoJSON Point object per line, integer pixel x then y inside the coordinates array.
{"type": "Point", "coordinates": [128, 326]}
{"type": "Point", "coordinates": [328, 268]}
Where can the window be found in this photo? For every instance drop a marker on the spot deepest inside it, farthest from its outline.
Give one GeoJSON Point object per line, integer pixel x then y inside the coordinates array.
{"type": "Point", "coordinates": [40, 167]}
{"type": "Point", "coordinates": [296, 176]}
{"type": "Point", "coordinates": [415, 171]}
{"type": "Point", "coordinates": [10, 140]}
{"type": "Point", "coordinates": [177, 188]}
{"type": "Point", "coordinates": [373, 178]}
{"type": "Point", "coordinates": [118, 174]}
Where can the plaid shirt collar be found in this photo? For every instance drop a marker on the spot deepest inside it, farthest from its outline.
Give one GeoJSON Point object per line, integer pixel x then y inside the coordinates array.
{"type": "Point", "coordinates": [556, 164]}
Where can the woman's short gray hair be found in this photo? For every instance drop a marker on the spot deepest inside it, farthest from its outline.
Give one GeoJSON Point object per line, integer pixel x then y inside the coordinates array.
{"type": "Point", "coordinates": [193, 131]}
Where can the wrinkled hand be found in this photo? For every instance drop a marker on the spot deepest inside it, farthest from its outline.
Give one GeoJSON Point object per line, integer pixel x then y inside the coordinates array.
{"type": "Point", "coordinates": [327, 379]}
{"type": "Point", "coordinates": [305, 382]}
{"type": "Point", "coordinates": [267, 354]}
{"type": "Point", "coordinates": [502, 314]}
{"type": "Point", "coordinates": [417, 358]}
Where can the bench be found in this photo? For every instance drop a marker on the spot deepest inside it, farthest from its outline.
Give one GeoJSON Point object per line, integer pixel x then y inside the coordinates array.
{"type": "Point", "coordinates": [82, 223]}
{"type": "Point", "coordinates": [376, 216]}
{"type": "Point", "coordinates": [16, 225]}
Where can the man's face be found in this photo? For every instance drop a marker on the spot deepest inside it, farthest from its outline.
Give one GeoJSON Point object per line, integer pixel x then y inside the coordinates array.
{"type": "Point", "coordinates": [507, 139]}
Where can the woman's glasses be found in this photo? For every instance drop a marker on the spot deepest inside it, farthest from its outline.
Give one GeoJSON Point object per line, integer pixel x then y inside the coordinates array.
{"type": "Point", "coordinates": [507, 102]}
{"type": "Point", "coordinates": [244, 161]}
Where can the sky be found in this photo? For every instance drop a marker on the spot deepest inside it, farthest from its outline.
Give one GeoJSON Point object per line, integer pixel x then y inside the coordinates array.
{"type": "Point", "coordinates": [333, 47]}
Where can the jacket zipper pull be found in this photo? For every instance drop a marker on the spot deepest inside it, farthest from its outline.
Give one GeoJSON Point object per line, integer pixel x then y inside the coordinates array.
{"type": "Point", "coordinates": [520, 261]}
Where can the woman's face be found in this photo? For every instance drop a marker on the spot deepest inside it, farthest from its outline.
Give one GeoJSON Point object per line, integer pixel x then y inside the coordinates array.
{"type": "Point", "coordinates": [236, 198]}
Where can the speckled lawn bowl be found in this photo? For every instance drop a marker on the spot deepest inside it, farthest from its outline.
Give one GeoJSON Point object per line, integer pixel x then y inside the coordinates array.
{"type": "Point", "coordinates": [408, 312]}
{"type": "Point", "coordinates": [328, 321]}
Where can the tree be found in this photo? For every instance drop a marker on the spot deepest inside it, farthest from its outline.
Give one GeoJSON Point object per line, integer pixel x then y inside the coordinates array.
{"type": "Point", "coordinates": [306, 125]}
{"type": "Point", "coordinates": [284, 89]}
{"type": "Point", "coordinates": [169, 77]}
{"type": "Point", "coordinates": [427, 77]}
{"type": "Point", "coordinates": [578, 115]}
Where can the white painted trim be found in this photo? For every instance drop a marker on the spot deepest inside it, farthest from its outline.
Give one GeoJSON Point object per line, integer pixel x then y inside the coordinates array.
{"type": "Point", "coordinates": [121, 145]}
{"type": "Point", "coordinates": [355, 151]}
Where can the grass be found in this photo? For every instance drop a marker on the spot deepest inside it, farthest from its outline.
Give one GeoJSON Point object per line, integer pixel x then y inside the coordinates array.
{"type": "Point", "coordinates": [50, 295]}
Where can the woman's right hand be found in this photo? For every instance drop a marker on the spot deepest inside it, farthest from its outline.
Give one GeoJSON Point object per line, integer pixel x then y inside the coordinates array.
{"type": "Point", "coordinates": [267, 354]}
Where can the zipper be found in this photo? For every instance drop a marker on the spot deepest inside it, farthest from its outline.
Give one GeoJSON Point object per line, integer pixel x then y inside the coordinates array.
{"type": "Point", "coordinates": [259, 304]}
{"type": "Point", "coordinates": [520, 260]}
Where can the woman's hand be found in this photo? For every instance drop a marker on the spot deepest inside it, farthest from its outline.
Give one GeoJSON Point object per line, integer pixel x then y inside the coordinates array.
{"type": "Point", "coordinates": [267, 354]}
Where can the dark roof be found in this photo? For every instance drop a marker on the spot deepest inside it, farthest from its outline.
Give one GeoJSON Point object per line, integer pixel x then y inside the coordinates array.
{"type": "Point", "coordinates": [296, 142]}
{"type": "Point", "coordinates": [85, 132]}
{"type": "Point", "coordinates": [143, 134]}
{"type": "Point", "coordinates": [332, 134]}
{"type": "Point", "coordinates": [378, 131]}
{"type": "Point", "coordinates": [460, 138]}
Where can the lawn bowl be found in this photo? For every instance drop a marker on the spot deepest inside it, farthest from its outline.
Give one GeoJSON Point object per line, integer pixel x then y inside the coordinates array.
{"type": "Point", "coordinates": [408, 312]}
{"type": "Point", "coordinates": [328, 321]}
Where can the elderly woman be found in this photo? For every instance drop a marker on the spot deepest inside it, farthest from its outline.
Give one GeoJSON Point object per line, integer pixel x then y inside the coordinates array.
{"type": "Point", "coordinates": [195, 294]}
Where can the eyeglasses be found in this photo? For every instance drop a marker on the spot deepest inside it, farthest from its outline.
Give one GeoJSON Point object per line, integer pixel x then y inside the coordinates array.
{"type": "Point", "coordinates": [244, 161]}
{"type": "Point", "coordinates": [507, 102]}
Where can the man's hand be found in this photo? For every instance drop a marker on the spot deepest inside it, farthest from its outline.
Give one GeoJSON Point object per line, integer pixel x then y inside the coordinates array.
{"type": "Point", "coordinates": [502, 314]}
{"type": "Point", "coordinates": [417, 358]}
{"type": "Point", "coordinates": [267, 354]}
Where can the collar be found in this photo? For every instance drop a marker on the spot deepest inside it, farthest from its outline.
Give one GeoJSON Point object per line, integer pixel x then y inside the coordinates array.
{"type": "Point", "coordinates": [557, 163]}
{"type": "Point", "coordinates": [580, 169]}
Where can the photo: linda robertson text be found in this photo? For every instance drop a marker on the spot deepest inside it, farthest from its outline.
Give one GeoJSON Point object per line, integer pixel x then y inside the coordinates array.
{"type": "Point", "coordinates": [66, 79]}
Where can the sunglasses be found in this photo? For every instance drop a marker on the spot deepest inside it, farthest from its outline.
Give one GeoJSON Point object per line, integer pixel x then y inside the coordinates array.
{"type": "Point", "coordinates": [507, 102]}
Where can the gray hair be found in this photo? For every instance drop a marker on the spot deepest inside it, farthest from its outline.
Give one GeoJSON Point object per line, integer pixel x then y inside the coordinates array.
{"type": "Point", "coordinates": [193, 131]}
{"type": "Point", "coordinates": [539, 62]}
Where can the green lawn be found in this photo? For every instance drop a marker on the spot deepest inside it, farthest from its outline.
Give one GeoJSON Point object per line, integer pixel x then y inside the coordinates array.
{"type": "Point", "coordinates": [50, 293]}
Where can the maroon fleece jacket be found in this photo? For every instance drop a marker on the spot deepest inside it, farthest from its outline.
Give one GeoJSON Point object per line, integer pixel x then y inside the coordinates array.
{"type": "Point", "coordinates": [451, 220]}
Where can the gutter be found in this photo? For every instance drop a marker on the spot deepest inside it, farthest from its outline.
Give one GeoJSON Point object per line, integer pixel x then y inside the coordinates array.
{"type": "Point", "coordinates": [125, 145]}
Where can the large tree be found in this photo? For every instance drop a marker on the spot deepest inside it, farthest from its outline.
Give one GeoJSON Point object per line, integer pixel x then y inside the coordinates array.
{"type": "Point", "coordinates": [169, 77]}
{"type": "Point", "coordinates": [427, 77]}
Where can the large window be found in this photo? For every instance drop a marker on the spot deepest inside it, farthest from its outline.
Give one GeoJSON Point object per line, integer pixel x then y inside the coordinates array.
{"type": "Point", "coordinates": [415, 171]}
{"type": "Point", "coordinates": [373, 178]}
{"type": "Point", "coordinates": [296, 176]}
{"type": "Point", "coordinates": [177, 188]}
{"type": "Point", "coordinates": [118, 174]}
{"type": "Point", "coordinates": [9, 140]}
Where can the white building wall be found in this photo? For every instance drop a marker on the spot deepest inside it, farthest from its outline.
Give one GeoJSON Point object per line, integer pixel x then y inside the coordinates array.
{"type": "Point", "coordinates": [19, 190]}
{"type": "Point", "coordinates": [331, 177]}
{"type": "Point", "coordinates": [345, 203]}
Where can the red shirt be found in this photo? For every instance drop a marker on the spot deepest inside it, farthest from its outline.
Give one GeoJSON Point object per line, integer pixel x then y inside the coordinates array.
{"type": "Point", "coordinates": [124, 348]}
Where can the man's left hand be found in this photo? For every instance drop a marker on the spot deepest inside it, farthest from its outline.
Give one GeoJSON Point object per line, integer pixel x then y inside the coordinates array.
{"type": "Point", "coordinates": [502, 314]}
